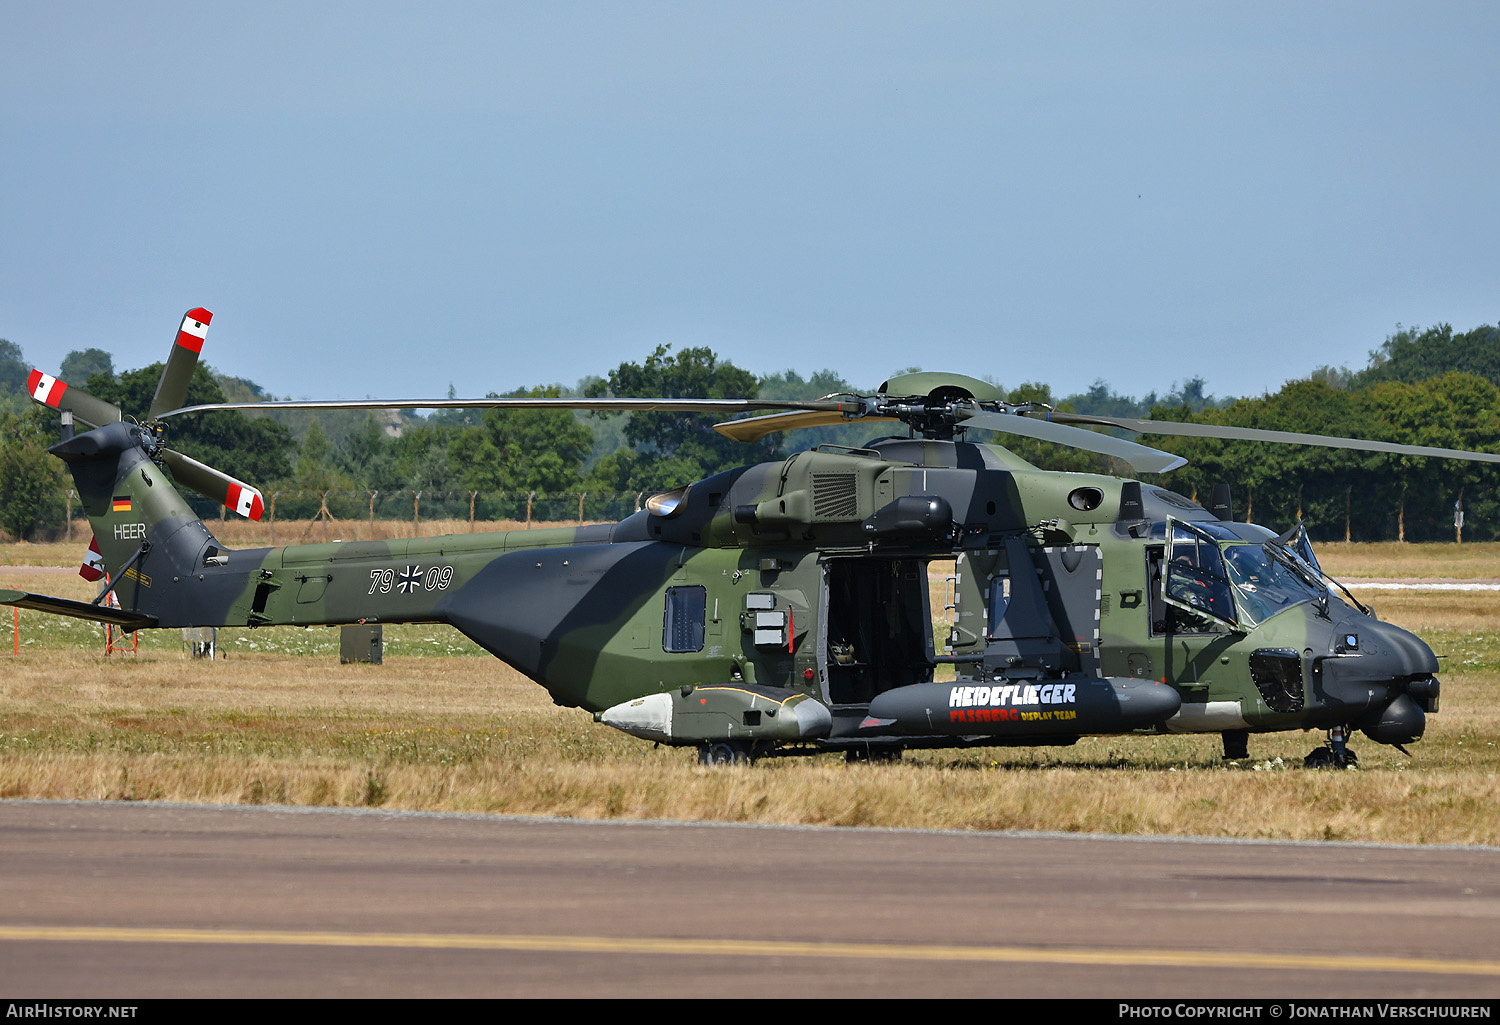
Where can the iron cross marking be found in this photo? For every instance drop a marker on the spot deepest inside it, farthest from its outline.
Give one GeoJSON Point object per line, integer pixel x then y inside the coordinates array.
{"type": "Point", "coordinates": [410, 580]}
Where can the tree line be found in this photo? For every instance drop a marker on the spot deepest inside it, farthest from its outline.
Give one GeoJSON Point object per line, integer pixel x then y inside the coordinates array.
{"type": "Point", "coordinates": [1427, 387]}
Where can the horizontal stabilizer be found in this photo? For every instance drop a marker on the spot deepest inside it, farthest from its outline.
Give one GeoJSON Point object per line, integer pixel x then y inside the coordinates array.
{"type": "Point", "coordinates": [76, 609]}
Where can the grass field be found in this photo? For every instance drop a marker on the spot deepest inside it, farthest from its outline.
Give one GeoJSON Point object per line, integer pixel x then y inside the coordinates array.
{"type": "Point", "coordinates": [442, 726]}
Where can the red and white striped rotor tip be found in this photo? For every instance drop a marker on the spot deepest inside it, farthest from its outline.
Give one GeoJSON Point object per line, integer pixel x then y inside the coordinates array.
{"type": "Point", "coordinates": [245, 500]}
{"type": "Point", "coordinates": [194, 329]}
{"type": "Point", "coordinates": [93, 562]}
{"type": "Point", "coordinates": [45, 388]}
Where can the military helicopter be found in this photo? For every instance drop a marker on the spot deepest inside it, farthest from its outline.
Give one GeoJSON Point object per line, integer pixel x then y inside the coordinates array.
{"type": "Point", "coordinates": [783, 608]}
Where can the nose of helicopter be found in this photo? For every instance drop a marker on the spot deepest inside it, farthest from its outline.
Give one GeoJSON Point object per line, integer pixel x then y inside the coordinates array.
{"type": "Point", "coordinates": [1384, 651]}
{"type": "Point", "coordinates": [1381, 678]}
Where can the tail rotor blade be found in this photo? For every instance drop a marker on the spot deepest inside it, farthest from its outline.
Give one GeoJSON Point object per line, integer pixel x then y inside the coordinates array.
{"type": "Point", "coordinates": [171, 390]}
{"type": "Point", "coordinates": [49, 391]}
{"type": "Point", "coordinates": [210, 483]}
{"type": "Point", "coordinates": [93, 562]}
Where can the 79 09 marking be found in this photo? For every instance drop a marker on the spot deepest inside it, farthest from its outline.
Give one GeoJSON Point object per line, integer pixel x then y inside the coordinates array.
{"type": "Point", "coordinates": [437, 578]}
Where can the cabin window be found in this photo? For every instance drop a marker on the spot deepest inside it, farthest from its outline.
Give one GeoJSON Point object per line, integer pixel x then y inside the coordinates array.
{"type": "Point", "coordinates": [683, 621]}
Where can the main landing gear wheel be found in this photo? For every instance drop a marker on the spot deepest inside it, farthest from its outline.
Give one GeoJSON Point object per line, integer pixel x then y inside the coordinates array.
{"type": "Point", "coordinates": [724, 752]}
{"type": "Point", "coordinates": [1236, 745]}
{"type": "Point", "coordinates": [856, 755]}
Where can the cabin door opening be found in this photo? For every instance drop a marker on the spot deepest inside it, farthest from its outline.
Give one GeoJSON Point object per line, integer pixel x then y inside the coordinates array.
{"type": "Point", "coordinates": [878, 627]}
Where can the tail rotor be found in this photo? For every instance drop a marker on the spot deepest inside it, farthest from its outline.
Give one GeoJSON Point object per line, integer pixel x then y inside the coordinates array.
{"type": "Point", "coordinates": [171, 394]}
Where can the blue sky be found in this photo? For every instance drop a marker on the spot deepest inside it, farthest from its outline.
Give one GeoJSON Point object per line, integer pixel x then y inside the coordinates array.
{"type": "Point", "coordinates": [381, 199]}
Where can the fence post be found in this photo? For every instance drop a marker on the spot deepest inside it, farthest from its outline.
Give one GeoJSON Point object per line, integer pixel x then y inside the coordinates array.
{"type": "Point", "coordinates": [271, 516]}
{"type": "Point", "coordinates": [529, 496]}
{"type": "Point", "coordinates": [416, 509]}
{"type": "Point", "coordinates": [70, 515]}
{"type": "Point", "coordinates": [472, 494]}
{"type": "Point", "coordinates": [580, 505]}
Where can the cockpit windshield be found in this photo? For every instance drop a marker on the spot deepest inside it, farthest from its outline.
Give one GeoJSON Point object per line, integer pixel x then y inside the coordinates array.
{"type": "Point", "coordinates": [1295, 549]}
{"type": "Point", "coordinates": [1263, 585]}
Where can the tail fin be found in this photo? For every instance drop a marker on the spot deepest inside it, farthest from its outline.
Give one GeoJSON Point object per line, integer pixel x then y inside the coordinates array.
{"type": "Point", "coordinates": [143, 526]}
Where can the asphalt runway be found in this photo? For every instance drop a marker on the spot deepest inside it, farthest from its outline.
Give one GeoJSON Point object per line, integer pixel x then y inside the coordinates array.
{"type": "Point", "coordinates": [112, 900]}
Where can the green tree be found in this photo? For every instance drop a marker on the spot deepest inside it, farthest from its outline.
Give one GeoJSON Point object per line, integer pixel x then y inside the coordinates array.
{"type": "Point", "coordinates": [78, 366]}
{"type": "Point", "coordinates": [1047, 455]}
{"type": "Point", "coordinates": [1452, 411]}
{"type": "Point", "coordinates": [673, 449]}
{"type": "Point", "coordinates": [31, 480]}
{"type": "Point", "coordinates": [13, 373]}
{"type": "Point", "coordinates": [1368, 496]}
{"type": "Point", "coordinates": [1100, 400]}
{"type": "Point", "coordinates": [1270, 482]}
{"type": "Point", "coordinates": [516, 451]}
{"type": "Point", "coordinates": [318, 477]}
{"type": "Point", "coordinates": [790, 385]}
{"type": "Point", "coordinates": [1411, 355]}
{"type": "Point", "coordinates": [256, 451]}
{"type": "Point", "coordinates": [368, 456]}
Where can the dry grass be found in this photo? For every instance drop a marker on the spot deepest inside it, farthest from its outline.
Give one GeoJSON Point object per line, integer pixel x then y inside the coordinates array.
{"type": "Point", "coordinates": [475, 737]}
{"type": "Point", "coordinates": [468, 734]}
{"type": "Point", "coordinates": [1392, 559]}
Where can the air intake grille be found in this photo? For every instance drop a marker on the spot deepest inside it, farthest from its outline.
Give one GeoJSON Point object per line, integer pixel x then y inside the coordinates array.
{"type": "Point", "coordinates": [835, 497]}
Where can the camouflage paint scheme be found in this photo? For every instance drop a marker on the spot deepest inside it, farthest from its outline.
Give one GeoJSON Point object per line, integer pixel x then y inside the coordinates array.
{"type": "Point", "coordinates": [802, 584]}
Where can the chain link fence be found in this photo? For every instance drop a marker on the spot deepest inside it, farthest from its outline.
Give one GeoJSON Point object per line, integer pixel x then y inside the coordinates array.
{"type": "Point", "coordinates": [479, 509]}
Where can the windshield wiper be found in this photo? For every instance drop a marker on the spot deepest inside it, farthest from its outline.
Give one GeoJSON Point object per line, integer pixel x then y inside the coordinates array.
{"type": "Point", "coordinates": [1311, 578]}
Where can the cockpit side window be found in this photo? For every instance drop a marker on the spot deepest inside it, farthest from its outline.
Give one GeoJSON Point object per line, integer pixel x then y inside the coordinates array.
{"type": "Point", "coordinates": [1194, 575]}
{"type": "Point", "coordinates": [1165, 618]}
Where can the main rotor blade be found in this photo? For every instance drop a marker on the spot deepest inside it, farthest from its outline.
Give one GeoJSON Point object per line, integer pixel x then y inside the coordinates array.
{"type": "Point", "coordinates": [49, 391]}
{"type": "Point", "coordinates": [757, 427]}
{"type": "Point", "coordinates": [721, 407]}
{"type": "Point", "coordinates": [1189, 430]}
{"type": "Point", "coordinates": [1139, 457]}
{"type": "Point", "coordinates": [171, 390]}
{"type": "Point", "coordinates": [210, 483]}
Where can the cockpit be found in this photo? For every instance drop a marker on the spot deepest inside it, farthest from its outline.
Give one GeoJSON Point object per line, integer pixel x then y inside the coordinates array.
{"type": "Point", "coordinates": [1236, 574]}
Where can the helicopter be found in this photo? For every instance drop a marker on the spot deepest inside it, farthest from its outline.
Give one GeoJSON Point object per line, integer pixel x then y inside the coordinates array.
{"type": "Point", "coordinates": [783, 608]}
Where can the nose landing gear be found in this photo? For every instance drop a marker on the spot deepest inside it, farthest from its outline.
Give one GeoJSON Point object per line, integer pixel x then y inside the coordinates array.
{"type": "Point", "coordinates": [1334, 754]}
